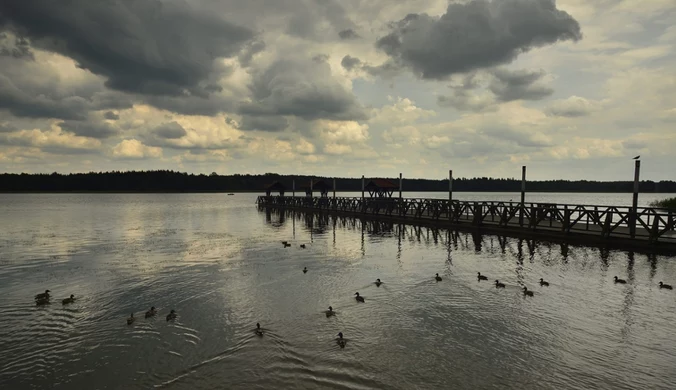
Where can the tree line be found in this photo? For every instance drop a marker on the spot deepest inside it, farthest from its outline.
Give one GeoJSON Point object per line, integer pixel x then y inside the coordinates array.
{"type": "Point", "coordinates": [171, 181]}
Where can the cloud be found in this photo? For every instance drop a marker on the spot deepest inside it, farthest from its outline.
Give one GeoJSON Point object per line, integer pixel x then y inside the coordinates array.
{"type": "Point", "coordinates": [348, 62]}
{"type": "Point", "coordinates": [51, 141]}
{"type": "Point", "coordinates": [7, 128]}
{"type": "Point", "coordinates": [400, 112]}
{"type": "Point", "coordinates": [476, 34]}
{"type": "Point", "coordinates": [111, 116]}
{"type": "Point", "coordinates": [171, 130]}
{"type": "Point", "coordinates": [17, 47]}
{"type": "Point", "coordinates": [500, 86]}
{"type": "Point", "coordinates": [140, 46]}
{"type": "Point", "coordinates": [519, 85]}
{"type": "Point", "coordinates": [574, 106]}
{"type": "Point", "coordinates": [91, 129]}
{"type": "Point", "coordinates": [133, 149]}
{"type": "Point", "coordinates": [303, 88]}
{"type": "Point", "coordinates": [348, 34]}
{"type": "Point", "coordinates": [273, 123]}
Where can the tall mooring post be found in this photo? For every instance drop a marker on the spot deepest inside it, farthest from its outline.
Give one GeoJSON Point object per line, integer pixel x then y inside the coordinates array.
{"type": "Point", "coordinates": [523, 195]}
{"type": "Point", "coordinates": [450, 194]}
{"type": "Point", "coordinates": [311, 189]}
{"type": "Point", "coordinates": [401, 181]}
{"type": "Point", "coordinates": [334, 188]}
{"type": "Point", "coordinates": [362, 187]}
{"type": "Point", "coordinates": [634, 201]}
{"type": "Point", "coordinates": [293, 188]}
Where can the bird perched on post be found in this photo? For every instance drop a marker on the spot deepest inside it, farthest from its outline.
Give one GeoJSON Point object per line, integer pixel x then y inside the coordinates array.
{"type": "Point", "coordinates": [637, 157]}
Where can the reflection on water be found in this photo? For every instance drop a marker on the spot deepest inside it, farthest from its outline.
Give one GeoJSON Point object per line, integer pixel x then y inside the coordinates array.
{"type": "Point", "coordinates": [219, 262]}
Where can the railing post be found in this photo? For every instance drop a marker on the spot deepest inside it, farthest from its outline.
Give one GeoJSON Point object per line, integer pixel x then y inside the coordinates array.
{"type": "Point", "coordinates": [293, 187]}
{"type": "Point", "coordinates": [523, 195]}
{"type": "Point", "coordinates": [401, 181]}
{"type": "Point", "coordinates": [634, 202]}
{"type": "Point", "coordinates": [334, 188]}
{"type": "Point", "coordinates": [362, 188]}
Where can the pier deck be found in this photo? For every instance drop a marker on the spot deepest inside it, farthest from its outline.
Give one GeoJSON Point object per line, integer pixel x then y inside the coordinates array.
{"type": "Point", "coordinates": [644, 227]}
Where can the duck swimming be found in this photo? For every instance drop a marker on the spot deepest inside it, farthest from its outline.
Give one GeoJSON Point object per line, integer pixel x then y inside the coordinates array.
{"type": "Point", "coordinates": [526, 292]}
{"type": "Point", "coordinates": [438, 278]}
{"type": "Point", "coordinates": [44, 295]}
{"type": "Point", "coordinates": [41, 302]}
{"type": "Point", "coordinates": [481, 277]}
{"type": "Point", "coordinates": [71, 299]}
{"type": "Point", "coordinates": [302, 246]}
{"type": "Point", "coordinates": [287, 245]}
{"type": "Point", "coordinates": [340, 340]}
{"type": "Point", "coordinates": [151, 312]}
{"type": "Point", "coordinates": [171, 315]}
{"type": "Point", "coordinates": [330, 312]}
{"type": "Point", "coordinates": [378, 282]}
{"type": "Point", "coordinates": [665, 286]}
{"type": "Point", "coordinates": [358, 297]}
{"type": "Point", "coordinates": [499, 285]}
{"type": "Point", "coordinates": [258, 330]}
{"type": "Point", "coordinates": [621, 281]}
{"type": "Point", "coordinates": [131, 319]}
{"type": "Point", "coordinates": [543, 283]}
{"type": "Point", "coordinates": [304, 269]}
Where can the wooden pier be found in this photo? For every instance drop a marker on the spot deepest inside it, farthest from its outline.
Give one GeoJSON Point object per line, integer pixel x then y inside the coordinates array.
{"type": "Point", "coordinates": [613, 226]}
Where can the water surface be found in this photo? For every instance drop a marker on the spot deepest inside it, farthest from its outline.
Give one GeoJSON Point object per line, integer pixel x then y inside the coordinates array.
{"type": "Point", "coordinates": [219, 262]}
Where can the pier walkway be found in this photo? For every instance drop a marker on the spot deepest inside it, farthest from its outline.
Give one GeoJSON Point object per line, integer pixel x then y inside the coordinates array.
{"type": "Point", "coordinates": [623, 227]}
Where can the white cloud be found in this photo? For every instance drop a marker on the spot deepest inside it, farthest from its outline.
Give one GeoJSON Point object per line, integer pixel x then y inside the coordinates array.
{"type": "Point", "coordinates": [133, 149]}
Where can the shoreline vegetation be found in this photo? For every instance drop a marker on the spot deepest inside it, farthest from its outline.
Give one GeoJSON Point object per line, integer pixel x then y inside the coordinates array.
{"type": "Point", "coordinates": [179, 182]}
{"type": "Point", "coordinates": [669, 204]}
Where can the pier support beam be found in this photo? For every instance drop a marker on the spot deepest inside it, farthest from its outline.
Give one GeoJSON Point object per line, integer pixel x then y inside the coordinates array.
{"type": "Point", "coordinates": [362, 187]}
{"type": "Point", "coordinates": [523, 195]}
{"type": "Point", "coordinates": [334, 188]}
{"type": "Point", "coordinates": [293, 188]}
{"type": "Point", "coordinates": [634, 201]}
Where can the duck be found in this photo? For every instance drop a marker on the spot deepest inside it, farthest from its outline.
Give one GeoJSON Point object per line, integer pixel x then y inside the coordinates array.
{"type": "Point", "coordinates": [340, 340]}
{"type": "Point", "coordinates": [481, 277]}
{"type": "Point", "coordinates": [259, 331]}
{"type": "Point", "coordinates": [358, 297]}
{"type": "Point", "coordinates": [526, 292]}
{"type": "Point", "coordinates": [287, 245]}
{"type": "Point", "coordinates": [304, 269]}
{"type": "Point", "coordinates": [41, 302]}
{"type": "Point", "coordinates": [378, 282]}
{"type": "Point", "coordinates": [131, 319]}
{"type": "Point", "coordinates": [68, 300]}
{"type": "Point", "coordinates": [438, 278]}
{"type": "Point", "coordinates": [498, 284]}
{"type": "Point", "coordinates": [302, 246]}
{"type": "Point", "coordinates": [171, 315]}
{"type": "Point", "coordinates": [622, 281]}
{"type": "Point", "coordinates": [44, 295]}
{"type": "Point", "coordinates": [151, 312]}
{"type": "Point", "coordinates": [330, 312]}
{"type": "Point", "coordinates": [666, 286]}
{"type": "Point", "coordinates": [543, 283]}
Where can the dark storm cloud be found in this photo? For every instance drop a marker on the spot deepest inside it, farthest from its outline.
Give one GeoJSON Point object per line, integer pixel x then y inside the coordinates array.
{"type": "Point", "coordinates": [518, 85]}
{"type": "Point", "coordinates": [89, 129]}
{"type": "Point", "coordinates": [348, 34]}
{"type": "Point", "coordinates": [476, 34]}
{"type": "Point", "coordinates": [171, 130]}
{"type": "Point", "coordinates": [111, 116]}
{"type": "Point", "coordinates": [141, 46]}
{"type": "Point", "coordinates": [302, 88]}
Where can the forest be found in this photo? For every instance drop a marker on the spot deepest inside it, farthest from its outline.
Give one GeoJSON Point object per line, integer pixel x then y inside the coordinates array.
{"type": "Point", "coordinates": [171, 181]}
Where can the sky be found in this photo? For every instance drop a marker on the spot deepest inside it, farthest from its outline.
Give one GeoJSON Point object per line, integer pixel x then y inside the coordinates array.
{"type": "Point", "coordinates": [573, 89]}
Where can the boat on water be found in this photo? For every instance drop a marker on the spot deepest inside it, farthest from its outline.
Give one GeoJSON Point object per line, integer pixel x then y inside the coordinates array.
{"type": "Point", "coordinates": [231, 194]}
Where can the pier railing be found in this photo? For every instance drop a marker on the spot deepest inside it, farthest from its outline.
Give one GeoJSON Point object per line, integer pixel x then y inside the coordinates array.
{"type": "Point", "coordinates": [646, 223]}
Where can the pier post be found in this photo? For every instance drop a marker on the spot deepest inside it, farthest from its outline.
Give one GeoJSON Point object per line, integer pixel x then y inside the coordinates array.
{"type": "Point", "coordinates": [450, 194]}
{"type": "Point", "coordinates": [401, 180]}
{"type": "Point", "coordinates": [362, 187]}
{"type": "Point", "coordinates": [634, 202]}
{"type": "Point", "coordinates": [334, 188]}
{"type": "Point", "coordinates": [293, 188]}
{"type": "Point", "coordinates": [523, 195]}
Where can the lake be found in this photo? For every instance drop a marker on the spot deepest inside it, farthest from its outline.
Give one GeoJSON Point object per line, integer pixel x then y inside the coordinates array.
{"type": "Point", "coordinates": [219, 262]}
